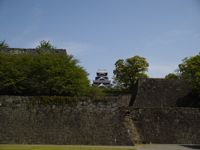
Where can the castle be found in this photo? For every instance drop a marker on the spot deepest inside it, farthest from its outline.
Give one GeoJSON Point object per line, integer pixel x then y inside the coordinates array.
{"type": "Point", "coordinates": [101, 80]}
{"type": "Point", "coordinates": [152, 113]}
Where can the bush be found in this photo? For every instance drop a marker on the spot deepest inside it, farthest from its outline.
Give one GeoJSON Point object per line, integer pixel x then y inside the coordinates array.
{"type": "Point", "coordinates": [172, 76]}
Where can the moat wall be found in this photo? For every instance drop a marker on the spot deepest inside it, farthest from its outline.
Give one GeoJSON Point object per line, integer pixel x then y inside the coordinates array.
{"type": "Point", "coordinates": [120, 120]}
{"type": "Point", "coordinates": [62, 120]}
{"type": "Point", "coordinates": [159, 93]}
{"type": "Point", "coordinates": [166, 125]}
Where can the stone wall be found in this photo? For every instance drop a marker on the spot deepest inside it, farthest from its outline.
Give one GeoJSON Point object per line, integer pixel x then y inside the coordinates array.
{"type": "Point", "coordinates": [62, 120]}
{"type": "Point", "coordinates": [150, 116]}
{"type": "Point", "coordinates": [166, 125]}
{"type": "Point", "coordinates": [157, 93]}
{"type": "Point", "coordinates": [155, 117]}
{"type": "Point", "coordinates": [27, 50]}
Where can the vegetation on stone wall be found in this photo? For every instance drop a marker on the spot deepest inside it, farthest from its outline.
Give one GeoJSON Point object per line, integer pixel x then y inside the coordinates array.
{"type": "Point", "coordinates": [190, 71]}
{"type": "Point", "coordinates": [128, 71]}
{"type": "Point", "coordinates": [45, 45]}
{"type": "Point", "coordinates": [3, 44]}
{"type": "Point", "coordinates": [171, 76]}
{"type": "Point", "coordinates": [41, 73]}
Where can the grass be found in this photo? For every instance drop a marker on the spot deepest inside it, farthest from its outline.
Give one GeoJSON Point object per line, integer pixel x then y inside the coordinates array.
{"type": "Point", "coordinates": [62, 147]}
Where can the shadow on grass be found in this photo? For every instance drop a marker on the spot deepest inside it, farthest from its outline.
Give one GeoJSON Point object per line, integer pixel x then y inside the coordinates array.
{"type": "Point", "coordinates": [195, 146]}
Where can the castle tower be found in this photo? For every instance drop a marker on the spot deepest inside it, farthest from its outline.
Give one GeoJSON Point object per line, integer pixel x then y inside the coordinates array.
{"type": "Point", "coordinates": [101, 79]}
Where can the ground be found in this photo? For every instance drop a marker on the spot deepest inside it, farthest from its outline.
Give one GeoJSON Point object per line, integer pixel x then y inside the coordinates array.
{"type": "Point", "coordinates": [67, 147]}
{"type": "Point", "coordinates": [167, 147]}
{"type": "Point", "coordinates": [62, 147]}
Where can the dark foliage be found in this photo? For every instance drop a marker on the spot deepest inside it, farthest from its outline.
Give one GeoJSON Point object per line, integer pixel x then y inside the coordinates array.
{"type": "Point", "coordinates": [3, 44]}
{"type": "Point", "coordinates": [41, 73]}
{"type": "Point", "coordinates": [190, 71]}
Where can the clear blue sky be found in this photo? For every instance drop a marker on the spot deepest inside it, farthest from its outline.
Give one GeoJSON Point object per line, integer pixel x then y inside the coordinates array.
{"type": "Point", "coordinates": [99, 32]}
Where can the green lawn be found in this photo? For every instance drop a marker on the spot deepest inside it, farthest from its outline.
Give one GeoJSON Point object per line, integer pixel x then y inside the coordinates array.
{"type": "Point", "coordinates": [62, 147]}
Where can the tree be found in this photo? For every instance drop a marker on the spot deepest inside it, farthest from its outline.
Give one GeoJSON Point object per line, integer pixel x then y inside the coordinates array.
{"type": "Point", "coordinates": [45, 45]}
{"type": "Point", "coordinates": [3, 44]}
{"type": "Point", "coordinates": [58, 74]}
{"type": "Point", "coordinates": [42, 74]}
{"type": "Point", "coordinates": [171, 76]}
{"type": "Point", "coordinates": [190, 71]}
{"type": "Point", "coordinates": [128, 71]}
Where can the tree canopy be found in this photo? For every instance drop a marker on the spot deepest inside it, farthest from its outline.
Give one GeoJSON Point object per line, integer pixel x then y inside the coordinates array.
{"type": "Point", "coordinates": [3, 44]}
{"type": "Point", "coordinates": [45, 45]}
{"type": "Point", "coordinates": [128, 71]}
{"type": "Point", "coordinates": [41, 73]}
{"type": "Point", "coordinates": [171, 76]}
{"type": "Point", "coordinates": [190, 71]}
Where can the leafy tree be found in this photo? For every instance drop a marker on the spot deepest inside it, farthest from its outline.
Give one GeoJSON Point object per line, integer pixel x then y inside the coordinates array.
{"type": "Point", "coordinates": [42, 74]}
{"type": "Point", "coordinates": [3, 44]}
{"type": "Point", "coordinates": [190, 71]}
{"type": "Point", "coordinates": [128, 71]}
{"type": "Point", "coordinates": [59, 74]}
{"type": "Point", "coordinates": [171, 76]}
{"type": "Point", "coordinates": [45, 45]}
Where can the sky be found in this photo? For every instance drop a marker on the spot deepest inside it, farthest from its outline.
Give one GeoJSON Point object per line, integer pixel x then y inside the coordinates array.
{"type": "Point", "coordinates": [99, 32]}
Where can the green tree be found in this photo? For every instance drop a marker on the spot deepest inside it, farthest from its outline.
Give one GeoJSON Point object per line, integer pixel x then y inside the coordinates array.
{"type": "Point", "coordinates": [60, 74]}
{"type": "Point", "coordinates": [45, 45]}
{"type": "Point", "coordinates": [3, 44]}
{"type": "Point", "coordinates": [190, 71]}
{"type": "Point", "coordinates": [42, 74]}
{"type": "Point", "coordinates": [171, 76]}
{"type": "Point", "coordinates": [128, 71]}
